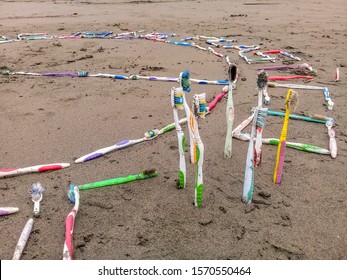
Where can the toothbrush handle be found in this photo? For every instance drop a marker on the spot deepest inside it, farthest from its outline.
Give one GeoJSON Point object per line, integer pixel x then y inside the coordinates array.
{"type": "Point", "coordinates": [199, 185]}
{"type": "Point", "coordinates": [281, 162]}
{"type": "Point", "coordinates": [36, 208]}
{"type": "Point", "coordinates": [332, 143]}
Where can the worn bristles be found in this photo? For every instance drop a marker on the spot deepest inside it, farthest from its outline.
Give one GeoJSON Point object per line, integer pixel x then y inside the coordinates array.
{"type": "Point", "coordinates": [293, 100]}
{"type": "Point", "coordinates": [36, 191]}
{"type": "Point", "coordinates": [185, 82]}
{"type": "Point", "coordinates": [261, 119]}
{"type": "Point", "coordinates": [71, 193]}
{"type": "Point", "coordinates": [200, 105]}
{"type": "Point", "coordinates": [151, 133]}
{"type": "Point", "coordinates": [178, 100]}
{"type": "Point", "coordinates": [232, 71]}
{"type": "Point", "coordinates": [149, 171]}
{"type": "Point", "coordinates": [82, 74]}
{"type": "Point", "coordinates": [262, 80]}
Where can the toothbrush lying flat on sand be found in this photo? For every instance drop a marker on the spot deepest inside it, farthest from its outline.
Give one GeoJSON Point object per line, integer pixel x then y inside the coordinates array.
{"type": "Point", "coordinates": [332, 140]}
{"type": "Point", "coordinates": [23, 239]}
{"type": "Point", "coordinates": [31, 169]}
{"type": "Point", "coordinates": [146, 174]}
{"type": "Point", "coordinates": [298, 146]}
{"type": "Point", "coordinates": [8, 210]}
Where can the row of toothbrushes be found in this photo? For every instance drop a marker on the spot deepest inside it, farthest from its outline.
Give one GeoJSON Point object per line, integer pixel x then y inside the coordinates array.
{"type": "Point", "coordinates": [163, 37]}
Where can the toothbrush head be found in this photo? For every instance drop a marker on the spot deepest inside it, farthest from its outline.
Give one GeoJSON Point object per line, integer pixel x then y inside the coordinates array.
{"type": "Point", "coordinates": [36, 191]}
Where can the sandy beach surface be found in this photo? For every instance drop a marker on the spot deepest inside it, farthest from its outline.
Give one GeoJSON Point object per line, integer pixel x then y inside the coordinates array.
{"type": "Point", "coordinates": [58, 119]}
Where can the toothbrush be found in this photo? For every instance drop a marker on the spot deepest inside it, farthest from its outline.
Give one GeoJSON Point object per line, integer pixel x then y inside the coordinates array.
{"type": "Point", "coordinates": [177, 103]}
{"type": "Point", "coordinates": [23, 239]}
{"type": "Point", "coordinates": [248, 184]}
{"type": "Point", "coordinates": [291, 102]}
{"type": "Point", "coordinates": [36, 196]}
{"type": "Point", "coordinates": [184, 81]}
{"type": "Point", "coordinates": [337, 75]}
{"type": "Point", "coordinates": [31, 169]}
{"type": "Point", "coordinates": [68, 250]}
{"type": "Point", "coordinates": [327, 98]}
{"type": "Point", "coordinates": [8, 210]}
{"type": "Point", "coordinates": [230, 114]}
{"type": "Point", "coordinates": [262, 84]}
{"type": "Point", "coordinates": [287, 78]}
{"type": "Point", "coordinates": [199, 110]}
{"type": "Point", "coordinates": [146, 174]}
{"type": "Point", "coordinates": [298, 146]}
{"type": "Point", "coordinates": [332, 140]}
{"type": "Point", "coordinates": [297, 117]}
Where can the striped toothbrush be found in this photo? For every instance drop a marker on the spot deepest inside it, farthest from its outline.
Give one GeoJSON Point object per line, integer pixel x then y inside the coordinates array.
{"type": "Point", "coordinates": [199, 110]}
{"type": "Point", "coordinates": [23, 239]}
{"type": "Point", "coordinates": [230, 114]}
{"type": "Point", "coordinates": [248, 184]}
{"type": "Point", "coordinates": [184, 81]}
{"type": "Point", "coordinates": [291, 103]}
{"type": "Point", "coordinates": [177, 103]}
{"type": "Point", "coordinates": [68, 250]}
{"type": "Point", "coordinates": [32, 169]}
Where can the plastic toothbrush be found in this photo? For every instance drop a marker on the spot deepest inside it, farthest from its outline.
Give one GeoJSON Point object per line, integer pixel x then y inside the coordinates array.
{"type": "Point", "coordinates": [36, 196]}
{"type": "Point", "coordinates": [230, 114]}
{"type": "Point", "coordinates": [199, 110]}
{"type": "Point", "coordinates": [177, 103]}
{"type": "Point", "coordinates": [291, 103]}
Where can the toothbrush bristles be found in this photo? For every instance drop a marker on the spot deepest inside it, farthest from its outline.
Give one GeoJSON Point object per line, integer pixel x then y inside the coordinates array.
{"type": "Point", "coordinates": [293, 101]}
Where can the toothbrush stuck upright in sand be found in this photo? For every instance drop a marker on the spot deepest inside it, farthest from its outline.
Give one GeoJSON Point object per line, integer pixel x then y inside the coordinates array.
{"type": "Point", "coordinates": [262, 84]}
{"type": "Point", "coordinates": [177, 96]}
{"type": "Point", "coordinates": [199, 110]}
{"type": "Point", "coordinates": [291, 103]}
{"type": "Point", "coordinates": [248, 184]}
{"type": "Point", "coordinates": [230, 113]}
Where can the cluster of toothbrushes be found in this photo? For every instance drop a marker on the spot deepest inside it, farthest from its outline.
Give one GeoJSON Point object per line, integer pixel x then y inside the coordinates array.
{"type": "Point", "coordinates": [199, 109]}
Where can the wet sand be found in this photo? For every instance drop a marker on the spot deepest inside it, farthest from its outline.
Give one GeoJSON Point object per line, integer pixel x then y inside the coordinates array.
{"type": "Point", "coordinates": [47, 120]}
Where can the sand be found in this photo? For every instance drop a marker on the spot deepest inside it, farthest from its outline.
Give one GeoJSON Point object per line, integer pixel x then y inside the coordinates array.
{"type": "Point", "coordinates": [48, 120]}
